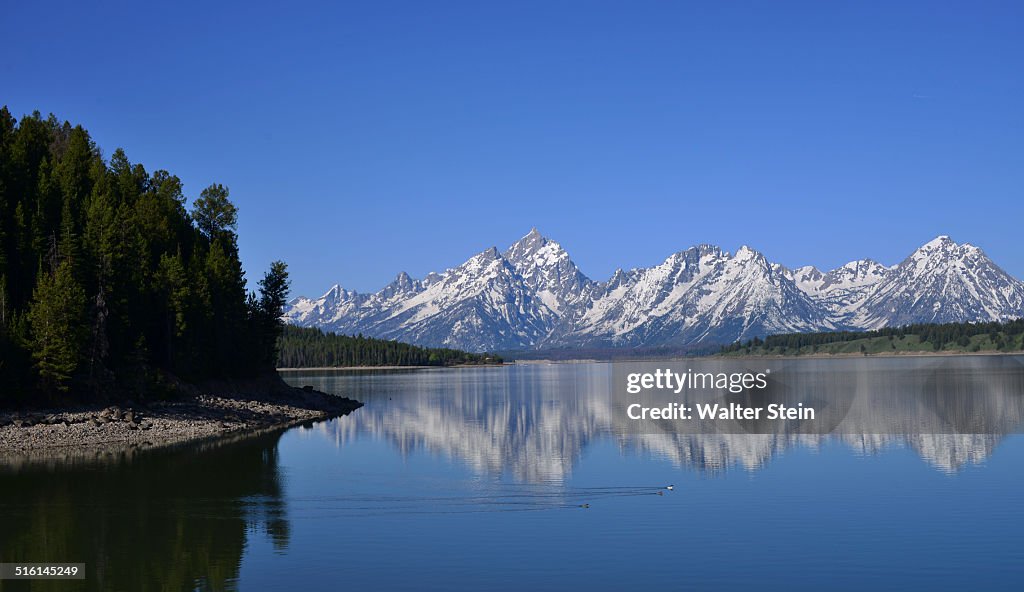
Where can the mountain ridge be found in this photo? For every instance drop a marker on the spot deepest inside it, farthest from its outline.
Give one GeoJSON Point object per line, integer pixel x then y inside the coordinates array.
{"type": "Point", "coordinates": [533, 296]}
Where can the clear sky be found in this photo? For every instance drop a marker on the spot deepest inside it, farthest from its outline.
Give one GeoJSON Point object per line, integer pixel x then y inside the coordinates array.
{"type": "Point", "coordinates": [363, 139]}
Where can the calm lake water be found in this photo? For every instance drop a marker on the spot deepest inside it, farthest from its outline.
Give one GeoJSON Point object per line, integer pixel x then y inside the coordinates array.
{"type": "Point", "coordinates": [477, 478]}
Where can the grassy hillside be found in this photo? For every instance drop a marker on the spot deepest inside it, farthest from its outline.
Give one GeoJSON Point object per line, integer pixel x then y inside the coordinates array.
{"type": "Point", "coordinates": [925, 338]}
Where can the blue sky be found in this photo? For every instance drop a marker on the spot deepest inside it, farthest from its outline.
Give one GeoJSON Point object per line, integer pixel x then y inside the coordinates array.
{"type": "Point", "coordinates": [359, 140]}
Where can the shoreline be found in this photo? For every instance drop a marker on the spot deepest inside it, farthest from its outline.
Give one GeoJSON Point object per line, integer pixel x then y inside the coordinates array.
{"type": "Point", "coordinates": [541, 361]}
{"type": "Point", "coordinates": [357, 368]}
{"type": "Point", "coordinates": [218, 410]}
{"type": "Point", "coordinates": [364, 368]}
{"type": "Point", "coordinates": [906, 354]}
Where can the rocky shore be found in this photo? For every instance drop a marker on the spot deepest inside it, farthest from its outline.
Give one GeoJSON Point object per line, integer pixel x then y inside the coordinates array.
{"type": "Point", "coordinates": [211, 411]}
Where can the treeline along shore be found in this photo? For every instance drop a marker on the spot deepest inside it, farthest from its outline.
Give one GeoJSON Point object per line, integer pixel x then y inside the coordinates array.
{"type": "Point", "coordinates": [117, 296]}
{"type": "Point", "coordinates": [1005, 337]}
{"type": "Point", "coordinates": [302, 347]}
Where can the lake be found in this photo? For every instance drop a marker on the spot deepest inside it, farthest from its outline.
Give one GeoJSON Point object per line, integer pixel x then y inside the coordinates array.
{"type": "Point", "coordinates": [526, 477]}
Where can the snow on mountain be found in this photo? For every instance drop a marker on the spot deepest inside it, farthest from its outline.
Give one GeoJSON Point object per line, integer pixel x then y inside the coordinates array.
{"type": "Point", "coordinates": [334, 310]}
{"type": "Point", "coordinates": [701, 294]}
{"type": "Point", "coordinates": [533, 295]}
{"type": "Point", "coordinates": [629, 301]}
{"type": "Point", "coordinates": [483, 304]}
{"type": "Point", "coordinates": [842, 291]}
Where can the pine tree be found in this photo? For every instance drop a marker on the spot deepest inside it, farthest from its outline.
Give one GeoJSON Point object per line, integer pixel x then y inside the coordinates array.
{"type": "Point", "coordinates": [173, 287]}
{"type": "Point", "coordinates": [223, 271]}
{"type": "Point", "coordinates": [56, 321]}
{"type": "Point", "coordinates": [3, 302]}
{"type": "Point", "coordinates": [213, 213]}
{"type": "Point", "coordinates": [266, 313]}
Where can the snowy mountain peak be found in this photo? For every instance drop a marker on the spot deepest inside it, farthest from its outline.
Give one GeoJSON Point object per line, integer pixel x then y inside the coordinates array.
{"type": "Point", "coordinates": [486, 256]}
{"type": "Point", "coordinates": [617, 278]}
{"type": "Point", "coordinates": [808, 274]}
{"type": "Point", "coordinates": [941, 250]}
{"type": "Point", "coordinates": [547, 269]}
{"type": "Point", "coordinates": [535, 249]}
{"type": "Point", "coordinates": [745, 253]}
{"type": "Point", "coordinates": [401, 286]}
{"type": "Point", "coordinates": [940, 241]}
{"type": "Point", "coordinates": [324, 310]}
{"type": "Point", "coordinates": [855, 273]}
{"type": "Point", "coordinates": [747, 257]}
{"type": "Point", "coordinates": [943, 245]}
{"type": "Point", "coordinates": [337, 293]}
{"type": "Point", "coordinates": [941, 282]}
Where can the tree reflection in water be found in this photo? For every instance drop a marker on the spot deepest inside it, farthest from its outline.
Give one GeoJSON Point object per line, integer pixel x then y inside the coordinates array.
{"type": "Point", "coordinates": [173, 519]}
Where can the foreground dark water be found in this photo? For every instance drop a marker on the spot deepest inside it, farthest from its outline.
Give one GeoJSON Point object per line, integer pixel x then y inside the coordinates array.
{"type": "Point", "coordinates": [475, 478]}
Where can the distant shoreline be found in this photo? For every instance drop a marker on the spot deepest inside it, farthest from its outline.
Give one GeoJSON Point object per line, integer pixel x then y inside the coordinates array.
{"type": "Point", "coordinates": [358, 368]}
{"type": "Point", "coordinates": [324, 368]}
{"type": "Point", "coordinates": [823, 356]}
{"type": "Point", "coordinates": [542, 361]}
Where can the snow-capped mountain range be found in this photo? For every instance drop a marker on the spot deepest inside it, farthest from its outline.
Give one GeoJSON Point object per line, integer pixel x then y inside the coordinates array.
{"type": "Point", "coordinates": [533, 296]}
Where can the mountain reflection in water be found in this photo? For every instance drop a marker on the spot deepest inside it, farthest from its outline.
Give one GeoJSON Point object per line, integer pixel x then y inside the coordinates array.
{"type": "Point", "coordinates": [535, 421]}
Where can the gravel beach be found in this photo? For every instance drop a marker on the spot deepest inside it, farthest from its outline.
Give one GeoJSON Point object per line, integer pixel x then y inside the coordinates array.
{"type": "Point", "coordinates": [236, 409]}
